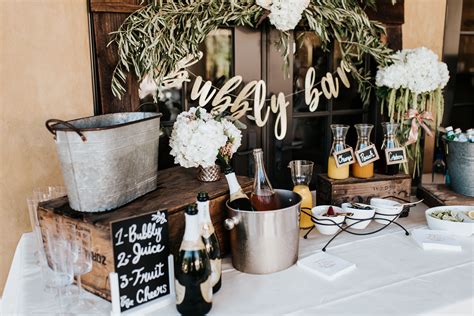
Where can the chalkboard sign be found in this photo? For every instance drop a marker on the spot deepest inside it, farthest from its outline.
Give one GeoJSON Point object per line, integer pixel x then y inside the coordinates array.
{"type": "Point", "coordinates": [395, 155]}
{"type": "Point", "coordinates": [344, 157]}
{"type": "Point", "coordinates": [142, 265]}
{"type": "Point", "coordinates": [367, 155]}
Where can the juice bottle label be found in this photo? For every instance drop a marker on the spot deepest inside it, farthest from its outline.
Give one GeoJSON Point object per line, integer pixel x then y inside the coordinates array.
{"type": "Point", "coordinates": [344, 157]}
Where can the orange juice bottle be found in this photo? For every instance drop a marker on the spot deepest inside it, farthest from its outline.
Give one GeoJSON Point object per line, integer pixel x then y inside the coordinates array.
{"type": "Point", "coordinates": [363, 140]}
{"type": "Point", "coordinates": [337, 173]}
{"type": "Point", "coordinates": [364, 172]}
{"type": "Point", "coordinates": [339, 133]}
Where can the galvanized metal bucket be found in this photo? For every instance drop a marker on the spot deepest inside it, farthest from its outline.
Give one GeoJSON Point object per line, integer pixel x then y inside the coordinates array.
{"type": "Point", "coordinates": [107, 160]}
{"type": "Point", "coordinates": [461, 167]}
{"type": "Point", "coordinates": [265, 242]}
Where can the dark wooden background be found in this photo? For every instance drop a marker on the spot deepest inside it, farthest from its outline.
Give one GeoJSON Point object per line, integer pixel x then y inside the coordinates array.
{"type": "Point", "coordinates": [108, 15]}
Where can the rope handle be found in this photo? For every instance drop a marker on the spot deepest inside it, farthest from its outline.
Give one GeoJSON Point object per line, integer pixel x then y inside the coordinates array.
{"type": "Point", "coordinates": [52, 122]}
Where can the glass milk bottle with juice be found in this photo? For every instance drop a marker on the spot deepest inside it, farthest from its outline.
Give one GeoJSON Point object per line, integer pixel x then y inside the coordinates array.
{"type": "Point", "coordinates": [339, 133]}
{"type": "Point", "coordinates": [389, 141]}
{"type": "Point", "coordinates": [363, 140]}
{"type": "Point", "coordinates": [301, 173]}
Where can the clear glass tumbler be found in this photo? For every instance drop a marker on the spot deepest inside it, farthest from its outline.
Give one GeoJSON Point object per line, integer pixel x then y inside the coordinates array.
{"type": "Point", "coordinates": [301, 174]}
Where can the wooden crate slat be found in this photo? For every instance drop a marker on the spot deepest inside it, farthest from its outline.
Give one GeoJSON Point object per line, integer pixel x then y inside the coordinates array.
{"type": "Point", "coordinates": [336, 192]}
{"type": "Point", "coordinates": [117, 6]}
{"type": "Point", "coordinates": [177, 187]}
{"type": "Point", "coordinates": [441, 194]}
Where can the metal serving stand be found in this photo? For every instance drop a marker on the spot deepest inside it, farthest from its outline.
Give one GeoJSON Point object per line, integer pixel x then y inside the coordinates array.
{"type": "Point", "coordinates": [346, 228]}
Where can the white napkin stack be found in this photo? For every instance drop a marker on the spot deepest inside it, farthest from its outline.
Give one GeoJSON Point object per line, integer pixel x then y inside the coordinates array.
{"type": "Point", "coordinates": [326, 266]}
{"type": "Point", "coordinates": [429, 239]}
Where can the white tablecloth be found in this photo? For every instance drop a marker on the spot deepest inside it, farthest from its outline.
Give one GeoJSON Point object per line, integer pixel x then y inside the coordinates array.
{"type": "Point", "coordinates": [393, 277]}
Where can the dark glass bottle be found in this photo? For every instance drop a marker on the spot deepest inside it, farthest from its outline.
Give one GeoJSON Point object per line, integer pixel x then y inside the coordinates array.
{"type": "Point", "coordinates": [439, 166]}
{"type": "Point", "coordinates": [193, 269]}
{"type": "Point", "coordinates": [389, 141]}
{"type": "Point", "coordinates": [238, 199]}
{"type": "Point", "coordinates": [263, 197]}
{"type": "Point", "coordinates": [210, 240]}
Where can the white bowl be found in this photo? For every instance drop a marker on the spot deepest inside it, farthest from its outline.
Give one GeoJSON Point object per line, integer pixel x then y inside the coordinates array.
{"type": "Point", "coordinates": [357, 216]}
{"type": "Point", "coordinates": [390, 210]}
{"type": "Point", "coordinates": [465, 228]}
{"type": "Point", "coordinates": [331, 229]}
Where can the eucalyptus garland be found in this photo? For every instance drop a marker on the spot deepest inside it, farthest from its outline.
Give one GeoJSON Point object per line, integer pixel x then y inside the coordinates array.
{"type": "Point", "coordinates": [155, 37]}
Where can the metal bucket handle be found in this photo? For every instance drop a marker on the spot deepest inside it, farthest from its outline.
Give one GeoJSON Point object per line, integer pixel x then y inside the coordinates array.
{"type": "Point", "coordinates": [56, 121]}
{"type": "Point", "coordinates": [157, 108]}
{"type": "Point", "coordinates": [230, 223]}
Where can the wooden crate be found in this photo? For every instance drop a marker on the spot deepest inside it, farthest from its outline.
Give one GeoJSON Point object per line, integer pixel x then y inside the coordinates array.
{"type": "Point", "coordinates": [441, 194]}
{"type": "Point", "coordinates": [177, 187]}
{"type": "Point", "coordinates": [336, 192]}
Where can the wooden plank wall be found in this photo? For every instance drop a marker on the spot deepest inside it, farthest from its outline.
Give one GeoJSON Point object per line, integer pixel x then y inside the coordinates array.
{"type": "Point", "coordinates": [107, 16]}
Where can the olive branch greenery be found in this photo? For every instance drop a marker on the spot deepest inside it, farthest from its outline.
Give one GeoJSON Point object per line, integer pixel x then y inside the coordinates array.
{"type": "Point", "coordinates": [153, 39]}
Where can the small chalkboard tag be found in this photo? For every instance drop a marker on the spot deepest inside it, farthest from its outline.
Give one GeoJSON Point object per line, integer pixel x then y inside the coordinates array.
{"type": "Point", "coordinates": [143, 264]}
{"type": "Point", "coordinates": [344, 157]}
{"type": "Point", "coordinates": [367, 155]}
{"type": "Point", "coordinates": [395, 156]}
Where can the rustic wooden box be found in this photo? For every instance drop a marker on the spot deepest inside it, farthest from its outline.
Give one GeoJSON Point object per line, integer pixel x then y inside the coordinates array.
{"type": "Point", "coordinates": [440, 195]}
{"type": "Point", "coordinates": [177, 187]}
{"type": "Point", "coordinates": [336, 192]}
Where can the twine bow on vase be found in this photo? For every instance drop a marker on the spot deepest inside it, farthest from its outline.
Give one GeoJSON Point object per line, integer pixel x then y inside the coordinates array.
{"type": "Point", "coordinates": [417, 120]}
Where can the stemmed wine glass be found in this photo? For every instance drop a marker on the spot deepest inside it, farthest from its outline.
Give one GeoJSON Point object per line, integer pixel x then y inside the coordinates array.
{"type": "Point", "coordinates": [61, 261]}
{"type": "Point", "coordinates": [41, 195]}
{"type": "Point", "coordinates": [82, 263]}
{"type": "Point", "coordinates": [32, 210]}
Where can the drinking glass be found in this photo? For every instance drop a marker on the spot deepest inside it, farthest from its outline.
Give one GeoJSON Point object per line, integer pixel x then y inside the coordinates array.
{"type": "Point", "coordinates": [301, 174]}
{"type": "Point", "coordinates": [33, 212]}
{"type": "Point", "coordinates": [41, 195]}
{"type": "Point", "coordinates": [60, 260]}
{"type": "Point", "coordinates": [82, 262]}
{"type": "Point", "coordinates": [49, 192]}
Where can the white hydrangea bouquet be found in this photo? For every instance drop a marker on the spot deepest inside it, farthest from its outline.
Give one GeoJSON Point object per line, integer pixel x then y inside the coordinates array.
{"type": "Point", "coordinates": [199, 138]}
{"type": "Point", "coordinates": [411, 89]}
{"type": "Point", "coordinates": [284, 14]}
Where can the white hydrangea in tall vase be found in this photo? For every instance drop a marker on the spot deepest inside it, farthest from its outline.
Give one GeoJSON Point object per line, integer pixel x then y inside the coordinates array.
{"type": "Point", "coordinates": [410, 88]}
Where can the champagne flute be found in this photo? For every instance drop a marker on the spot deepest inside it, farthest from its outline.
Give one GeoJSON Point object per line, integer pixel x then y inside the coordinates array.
{"type": "Point", "coordinates": [82, 263]}
{"type": "Point", "coordinates": [33, 212]}
{"type": "Point", "coordinates": [41, 195]}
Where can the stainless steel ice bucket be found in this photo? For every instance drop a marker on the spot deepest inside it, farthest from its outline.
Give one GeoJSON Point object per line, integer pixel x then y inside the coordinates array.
{"type": "Point", "coordinates": [265, 242]}
{"type": "Point", "coordinates": [461, 167]}
{"type": "Point", "coordinates": [107, 160]}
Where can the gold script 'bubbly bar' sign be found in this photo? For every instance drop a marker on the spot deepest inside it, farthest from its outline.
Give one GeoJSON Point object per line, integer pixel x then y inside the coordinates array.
{"type": "Point", "coordinates": [252, 97]}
